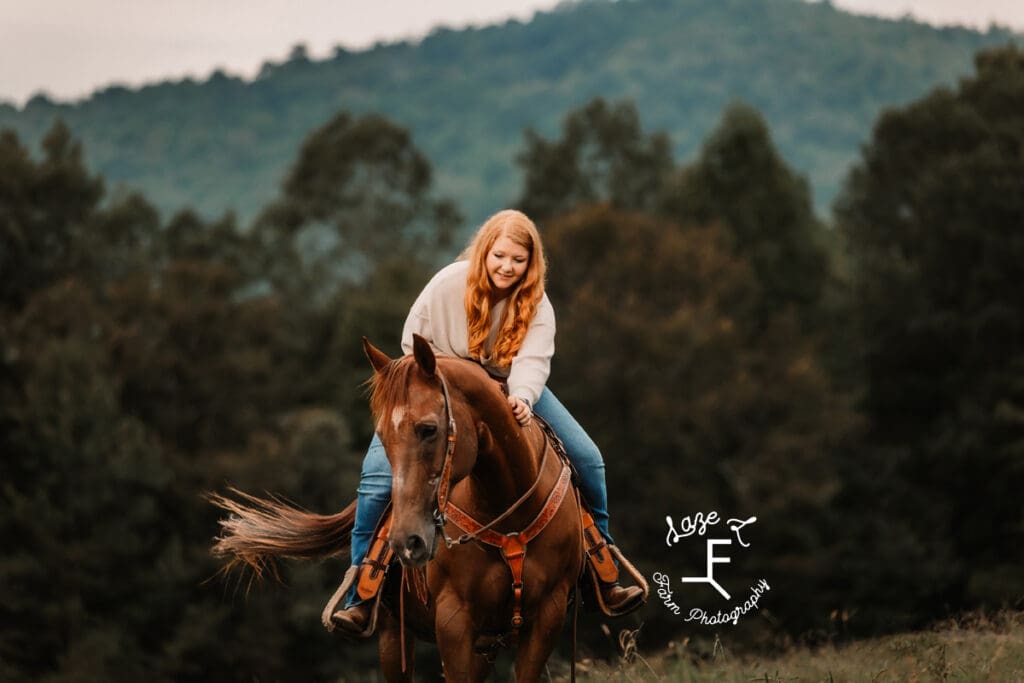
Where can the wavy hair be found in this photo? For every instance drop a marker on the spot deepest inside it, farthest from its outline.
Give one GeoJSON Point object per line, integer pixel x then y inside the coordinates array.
{"type": "Point", "coordinates": [522, 301]}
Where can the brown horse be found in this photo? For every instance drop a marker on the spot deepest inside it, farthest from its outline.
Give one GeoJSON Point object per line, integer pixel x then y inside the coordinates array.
{"type": "Point", "coordinates": [454, 447]}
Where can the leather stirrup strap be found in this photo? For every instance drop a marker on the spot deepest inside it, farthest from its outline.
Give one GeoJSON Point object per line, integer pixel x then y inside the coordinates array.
{"type": "Point", "coordinates": [375, 564]}
{"type": "Point", "coordinates": [598, 555]}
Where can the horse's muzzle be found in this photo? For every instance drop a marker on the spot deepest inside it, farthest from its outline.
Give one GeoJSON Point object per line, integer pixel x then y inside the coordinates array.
{"type": "Point", "coordinates": [412, 549]}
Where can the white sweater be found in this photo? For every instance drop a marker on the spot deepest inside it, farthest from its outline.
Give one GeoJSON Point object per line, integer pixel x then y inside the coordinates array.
{"type": "Point", "coordinates": [439, 315]}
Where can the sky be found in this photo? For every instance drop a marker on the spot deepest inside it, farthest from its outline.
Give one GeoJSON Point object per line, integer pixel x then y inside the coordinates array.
{"type": "Point", "coordinates": [70, 48]}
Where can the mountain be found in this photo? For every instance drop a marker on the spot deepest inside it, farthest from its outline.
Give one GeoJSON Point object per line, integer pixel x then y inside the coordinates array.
{"type": "Point", "coordinates": [820, 76]}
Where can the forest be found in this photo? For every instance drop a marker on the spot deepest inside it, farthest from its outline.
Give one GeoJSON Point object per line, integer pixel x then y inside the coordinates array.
{"type": "Point", "coordinates": [855, 384]}
{"type": "Point", "coordinates": [817, 74]}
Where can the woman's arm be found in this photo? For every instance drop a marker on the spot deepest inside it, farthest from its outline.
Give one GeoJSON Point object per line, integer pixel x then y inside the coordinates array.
{"type": "Point", "coordinates": [438, 315]}
{"type": "Point", "coordinates": [532, 364]}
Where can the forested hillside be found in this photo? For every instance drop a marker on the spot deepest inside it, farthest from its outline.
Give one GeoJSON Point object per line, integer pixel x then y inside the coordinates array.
{"type": "Point", "coordinates": [817, 74]}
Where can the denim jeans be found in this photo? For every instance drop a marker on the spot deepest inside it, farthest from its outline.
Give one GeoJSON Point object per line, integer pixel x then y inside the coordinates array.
{"type": "Point", "coordinates": [374, 490]}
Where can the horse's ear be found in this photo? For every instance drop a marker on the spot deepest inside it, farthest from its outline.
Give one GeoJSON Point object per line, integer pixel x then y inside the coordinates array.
{"type": "Point", "coordinates": [424, 354]}
{"type": "Point", "coordinates": [378, 359]}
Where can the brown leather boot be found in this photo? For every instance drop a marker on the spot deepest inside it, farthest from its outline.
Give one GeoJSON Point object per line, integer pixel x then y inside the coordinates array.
{"type": "Point", "coordinates": [353, 620]}
{"type": "Point", "coordinates": [620, 599]}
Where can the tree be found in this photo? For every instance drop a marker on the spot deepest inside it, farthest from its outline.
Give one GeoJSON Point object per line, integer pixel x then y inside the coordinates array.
{"type": "Point", "coordinates": [43, 208]}
{"type": "Point", "coordinates": [932, 215]}
{"type": "Point", "coordinates": [358, 193]}
{"type": "Point", "coordinates": [695, 402]}
{"type": "Point", "coordinates": [602, 156]}
{"type": "Point", "coordinates": [141, 365]}
{"type": "Point", "coordinates": [741, 181]}
{"type": "Point", "coordinates": [78, 472]}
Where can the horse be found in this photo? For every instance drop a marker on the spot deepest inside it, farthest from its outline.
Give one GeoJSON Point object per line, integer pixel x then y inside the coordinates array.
{"type": "Point", "coordinates": [454, 447]}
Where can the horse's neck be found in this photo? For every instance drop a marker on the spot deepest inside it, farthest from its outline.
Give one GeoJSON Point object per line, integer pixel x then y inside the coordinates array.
{"type": "Point", "coordinates": [509, 465]}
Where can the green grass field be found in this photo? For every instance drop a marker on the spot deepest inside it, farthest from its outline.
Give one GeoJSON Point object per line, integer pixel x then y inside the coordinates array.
{"type": "Point", "coordinates": [978, 648]}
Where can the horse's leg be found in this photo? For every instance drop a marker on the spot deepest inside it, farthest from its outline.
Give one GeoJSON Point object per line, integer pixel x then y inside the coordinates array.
{"type": "Point", "coordinates": [456, 634]}
{"type": "Point", "coordinates": [390, 648]}
{"type": "Point", "coordinates": [539, 636]}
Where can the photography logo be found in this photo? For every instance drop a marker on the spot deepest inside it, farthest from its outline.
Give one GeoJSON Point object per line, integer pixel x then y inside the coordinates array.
{"type": "Point", "coordinates": [719, 551]}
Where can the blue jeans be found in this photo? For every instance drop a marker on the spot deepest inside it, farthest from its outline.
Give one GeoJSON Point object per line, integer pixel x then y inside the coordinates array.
{"type": "Point", "coordinates": [375, 484]}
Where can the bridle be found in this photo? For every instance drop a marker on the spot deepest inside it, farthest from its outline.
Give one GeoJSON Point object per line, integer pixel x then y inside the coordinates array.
{"type": "Point", "coordinates": [444, 483]}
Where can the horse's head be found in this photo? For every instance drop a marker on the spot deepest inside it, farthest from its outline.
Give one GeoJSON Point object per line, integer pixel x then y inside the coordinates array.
{"type": "Point", "coordinates": [411, 410]}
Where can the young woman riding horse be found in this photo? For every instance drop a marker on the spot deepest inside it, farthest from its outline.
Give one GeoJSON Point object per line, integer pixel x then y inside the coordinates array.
{"type": "Point", "coordinates": [489, 307]}
{"type": "Point", "coordinates": [458, 456]}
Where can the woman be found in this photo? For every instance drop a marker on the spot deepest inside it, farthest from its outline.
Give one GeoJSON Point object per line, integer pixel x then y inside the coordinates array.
{"type": "Point", "coordinates": [490, 307]}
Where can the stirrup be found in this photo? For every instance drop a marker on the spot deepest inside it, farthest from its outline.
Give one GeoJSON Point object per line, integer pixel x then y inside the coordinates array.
{"type": "Point", "coordinates": [629, 606]}
{"type": "Point", "coordinates": [327, 616]}
{"type": "Point", "coordinates": [368, 578]}
{"type": "Point", "coordinates": [601, 563]}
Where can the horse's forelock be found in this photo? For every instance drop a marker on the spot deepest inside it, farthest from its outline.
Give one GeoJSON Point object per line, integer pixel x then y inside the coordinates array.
{"type": "Point", "coordinates": [390, 386]}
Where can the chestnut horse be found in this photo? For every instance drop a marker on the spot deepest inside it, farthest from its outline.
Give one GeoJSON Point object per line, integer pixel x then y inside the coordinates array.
{"type": "Point", "coordinates": [454, 446]}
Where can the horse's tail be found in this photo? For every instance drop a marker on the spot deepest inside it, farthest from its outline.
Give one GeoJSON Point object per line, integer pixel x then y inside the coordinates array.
{"type": "Point", "coordinates": [258, 530]}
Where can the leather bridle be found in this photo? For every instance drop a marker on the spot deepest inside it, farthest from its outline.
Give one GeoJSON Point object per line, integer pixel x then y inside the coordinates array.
{"type": "Point", "coordinates": [444, 483]}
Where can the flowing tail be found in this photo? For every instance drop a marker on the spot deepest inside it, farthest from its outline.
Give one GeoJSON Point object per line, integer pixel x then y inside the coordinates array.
{"type": "Point", "coordinates": [258, 530]}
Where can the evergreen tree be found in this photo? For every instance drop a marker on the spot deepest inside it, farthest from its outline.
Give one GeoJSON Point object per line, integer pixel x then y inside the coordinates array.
{"type": "Point", "coordinates": [43, 208]}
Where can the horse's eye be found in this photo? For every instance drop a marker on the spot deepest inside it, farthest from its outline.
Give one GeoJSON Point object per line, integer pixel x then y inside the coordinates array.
{"type": "Point", "coordinates": [426, 431]}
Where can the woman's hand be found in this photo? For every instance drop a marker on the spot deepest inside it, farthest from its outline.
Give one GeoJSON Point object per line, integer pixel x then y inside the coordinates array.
{"type": "Point", "coordinates": [520, 410]}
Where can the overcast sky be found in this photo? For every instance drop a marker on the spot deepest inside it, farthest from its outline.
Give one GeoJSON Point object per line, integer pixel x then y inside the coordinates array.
{"type": "Point", "coordinates": [68, 48]}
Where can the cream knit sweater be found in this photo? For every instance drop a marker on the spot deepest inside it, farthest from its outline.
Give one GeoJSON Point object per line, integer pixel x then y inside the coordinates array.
{"type": "Point", "coordinates": [439, 315]}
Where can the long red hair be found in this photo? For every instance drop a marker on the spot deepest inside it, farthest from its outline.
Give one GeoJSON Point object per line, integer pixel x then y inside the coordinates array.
{"type": "Point", "coordinates": [522, 301]}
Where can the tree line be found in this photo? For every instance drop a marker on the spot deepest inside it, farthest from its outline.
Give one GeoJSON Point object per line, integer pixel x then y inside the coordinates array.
{"type": "Point", "coordinates": [858, 385]}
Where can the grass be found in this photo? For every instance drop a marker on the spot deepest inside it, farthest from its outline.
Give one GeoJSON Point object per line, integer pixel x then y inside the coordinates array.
{"type": "Point", "coordinates": [976, 648]}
